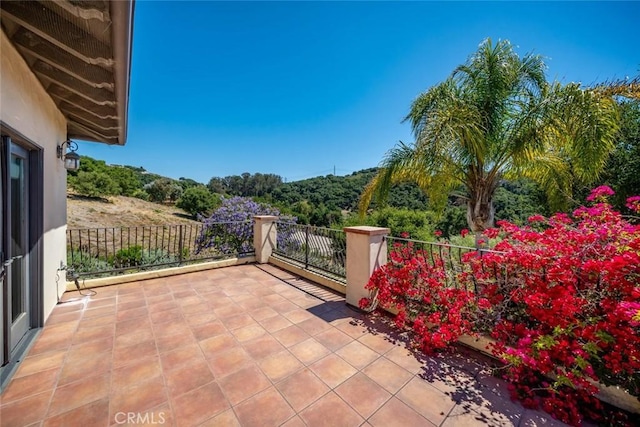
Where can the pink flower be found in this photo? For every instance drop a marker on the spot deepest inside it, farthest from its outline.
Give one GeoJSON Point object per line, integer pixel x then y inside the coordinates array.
{"type": "Point", "coordinates": [633, 203]}
{"type": "Point", "coordinates": [536, 218]}
{"type": "Point", "coordinates": [600, 193]}
{"type": "Point", "coordinates": [437, 233]}
{"type": "Point", "coordinates": [464, 232]}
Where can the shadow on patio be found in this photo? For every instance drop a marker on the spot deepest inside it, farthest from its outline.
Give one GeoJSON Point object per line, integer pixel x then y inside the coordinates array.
{"type": "Point", "coordinates": [246, 345]}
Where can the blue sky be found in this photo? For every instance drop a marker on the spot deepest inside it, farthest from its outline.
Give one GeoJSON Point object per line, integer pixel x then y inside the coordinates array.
{"type": "Point", "coordinates": [300, 88]}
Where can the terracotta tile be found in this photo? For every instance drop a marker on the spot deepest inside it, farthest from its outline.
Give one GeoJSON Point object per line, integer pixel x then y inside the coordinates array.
{"type": "Point", "coordinates": [159, 299]}
{"type": "Point", "coordinates": [294, 422]}
{"type": "Point", "coordinates": [94, 333]}
{"type": "Point", "coordinates": [25, 411]}
{"type": "Point", "coordinates": [280, 365]}
{"type": "Point", "coordinates": [207, 330]}
{"type": "Point", "coordinates": [226, 310]}
{"type": "Point", "coordinates": [263, 313]}
{"type": "Point", "coordinates": [40, 362]}
{"type": "Point", "coordinates": [170, 328]}
{"type": "Point", "coordinates": [56, 337]}
{"type": "Point", "coordinates": [284, 307]}
{"type": "Point", "coordinates": [378, 343]}
{"type": "Point", "coordinates": [62, 318]}
{"type": "Point", "coordinates": [243, 384]}
{"type": "Point", "coordinates": [237, 321]}
{"type": "Point", "coordinates": [265, 409]}
{"type": "Point", "coordinates": [290, 335]}
{"type": "Point", "coordinates": [199, 405]}
{"type": "Point", "coordinates": [70, 307]}
{"type": "Point", "coordinates": [404, 358]}
{"type": "Point", "coordinates": [125, 355]}
{"type": "Point", "coordinates": [79, 393]}
{"type": "Point", "coordinates": [136, 372]}
{"type": "Point", "coordinates": [357, 354]}
{"type": "Point", "coordinates": [132, 338]}
{"type": "Point", "coordinates": [333, 339]}
{"type": "Point", "coordinates": [362, 394]}
{"type": "Point", "coordinates": [302, 388]}
{"type": "Point", "coordinates": [29, 385]}
{"type": "Point", "coordinates": [176, 358]}
{"type": "Point", "coordinates": [488, 407]}
{"type": "Point", "coordinates": [140, 397]}
{"type": "Point", "coordinates": [352, 328]}
{"type": "Point", "coordinates": [226, 419]}
{"type": "Point", "coordinates": [124, 306]}
{"type": "Point", "coordinates": [97, 321]}
{"type": "Point", "coordinates": [298, 316]}
{"type": "Point", "coordinates": [172, 342]}
{"type": "Point", "coordinates": [92, 414]}
{"type": "Point", "coordinates": [275, 323]}
{"type": "Point", "coordinates": [426, 400]}
{"type": "Point", "coordinates": [188, 377]}
{"type": "Point", "coordinates": [330, 410]}
{"type": "Point", "coordinates": [156, 289]}
{"type": "Point", "coordinates": [262, 347]}
{"type": "Point", "coordinates": [132, 314]}
{"type": "Point", "coordinates": [81, 367]}
{"type": "Point", "coordinates": [314, 326]}
{"type": "Point", "coordinates": [197, 308]}
{"type": "Point", "coordinates": [308, 351]}
{"type": "Point", "coordinates": [101, 311]}
{"type": "Point", "coordinates": [155, 309]}
{"type": "Point", "coordinates": [387, 374]}
{"type": "Point", "coordinates": [219, 343]}
{"type": "Point", "coordinates": [250, 332]}
{"type": "Point", "coordinates": [333, 370]}
{"type": "Point", "coordinates": [394, 413]}
{"type": "Point", "coordinates": [166, 316]}
{"type": "Point", "coordinates": [91, 348]}
{"type": "Point", "coordinates": [229, 361]}
{"type": "Point", "coordinates": [194, 319]}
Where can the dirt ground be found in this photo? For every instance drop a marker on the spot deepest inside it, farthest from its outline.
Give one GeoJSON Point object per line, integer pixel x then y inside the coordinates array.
{"type": "Point", "coordinates": [120, 211]}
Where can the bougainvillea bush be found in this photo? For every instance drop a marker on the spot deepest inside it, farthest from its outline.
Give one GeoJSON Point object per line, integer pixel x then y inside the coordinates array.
{"type": "Point", "coordinates": [560, 297]}
{"type": "Point", "coordinates": [229, 229]}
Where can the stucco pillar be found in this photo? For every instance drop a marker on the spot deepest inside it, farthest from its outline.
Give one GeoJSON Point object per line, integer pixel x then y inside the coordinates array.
{"type": "Point", "coordinates": [366, 251]}
{"type": "Point", "coordinates": [264, 236]}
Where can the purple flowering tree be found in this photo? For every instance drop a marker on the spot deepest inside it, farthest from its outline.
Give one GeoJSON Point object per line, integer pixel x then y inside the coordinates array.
{"type": "Point", "coordinates": [229, 229]}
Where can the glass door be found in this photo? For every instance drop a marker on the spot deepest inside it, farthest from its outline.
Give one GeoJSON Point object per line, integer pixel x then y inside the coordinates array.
{"type": "Point", "coordinates": [18, 250]}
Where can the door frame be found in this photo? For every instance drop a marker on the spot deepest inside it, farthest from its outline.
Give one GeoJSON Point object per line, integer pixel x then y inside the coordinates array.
{"type": "Point", "coordinates": [35, 166]}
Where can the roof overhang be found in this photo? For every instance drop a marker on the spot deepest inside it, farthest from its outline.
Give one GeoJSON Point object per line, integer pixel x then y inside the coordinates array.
{"type": "Point", "coordinates": [81, 53]}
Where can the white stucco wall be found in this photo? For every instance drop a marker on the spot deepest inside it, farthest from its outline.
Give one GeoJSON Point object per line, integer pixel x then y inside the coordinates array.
{"type": "Point", "coordinates": [27, 108]}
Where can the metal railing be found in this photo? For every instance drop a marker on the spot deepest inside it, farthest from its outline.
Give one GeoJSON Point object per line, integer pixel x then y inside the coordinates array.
{"type": "Point", "coordinates": [320, 249]}
{"type": "Point", "coordinates": [449, 259]}
{"type": "Point", "coordinates": [98, 252]}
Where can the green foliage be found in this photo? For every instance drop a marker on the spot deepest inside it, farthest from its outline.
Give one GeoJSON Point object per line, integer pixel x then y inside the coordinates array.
{"type": "Point", "coordinates": [162, 189]}
{"type": "Point", "coordinates": [497, 117]}
{"type": "Point", "coordinates": [245, 185]}
{"type": "Point", "coordinates": [418, 224]}
{"type": "Point", "coordinates": [84, 262]}
{"type": "Point", "coordinates": [141, 194]}
{"type": "Point", "coordinates": [623, 168]}
{"type": "Point", "coordinates": [128, 257]}
{"type": "Point", "coordinates": [127, 180]}
{"type": "Point", "coordinates": [198, 200]}
{"type": "Point", "coordinates": [94, 184]}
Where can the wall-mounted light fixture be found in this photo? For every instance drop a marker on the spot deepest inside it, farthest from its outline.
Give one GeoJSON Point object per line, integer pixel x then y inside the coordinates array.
{"type": "Point", "coordinates": [70, 158]}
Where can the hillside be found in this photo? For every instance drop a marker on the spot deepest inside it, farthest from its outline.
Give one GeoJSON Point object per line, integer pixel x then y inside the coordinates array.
{"type": "Point", "coordinates": [121, 211]}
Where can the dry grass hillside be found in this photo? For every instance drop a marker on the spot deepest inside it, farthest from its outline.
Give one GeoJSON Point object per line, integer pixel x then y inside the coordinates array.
{"type": "Point", "coordinates": [120, 211]}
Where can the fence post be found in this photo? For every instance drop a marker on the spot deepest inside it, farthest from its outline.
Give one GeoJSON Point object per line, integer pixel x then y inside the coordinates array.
{"type": "Point", "coordinates": [264, 237]}
{"type": "Point", "coordinates": [180, 244]}
{"type": "Point", "coordinates": [366, 251]}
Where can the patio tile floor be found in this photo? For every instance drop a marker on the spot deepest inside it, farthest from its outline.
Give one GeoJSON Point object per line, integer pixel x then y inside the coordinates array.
{"type": "Point", "coordinates": [245, 346]}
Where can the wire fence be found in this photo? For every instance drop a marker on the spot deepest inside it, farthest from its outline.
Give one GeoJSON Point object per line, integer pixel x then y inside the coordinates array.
{"type": "Point", "coordinates": [322, 250]}
{"type": "Point", "coordinates": [451, 260]}
{"type": "Point", "coordinates": [99, 252]}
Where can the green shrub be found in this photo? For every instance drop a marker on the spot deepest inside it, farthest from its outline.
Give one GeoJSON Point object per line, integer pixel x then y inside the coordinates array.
{"type": "Point", "coordinates": [84, 262]}
{"type": "Point", "coordinates": [128, 257]}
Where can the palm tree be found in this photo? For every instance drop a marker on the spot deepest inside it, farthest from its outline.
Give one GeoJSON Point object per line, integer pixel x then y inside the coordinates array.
{"type": "Point", "coordinates": [497, 117]}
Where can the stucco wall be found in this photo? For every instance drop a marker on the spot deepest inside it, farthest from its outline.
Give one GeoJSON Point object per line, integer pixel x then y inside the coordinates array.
{"type": "Point", "coordinates": [26, 107]}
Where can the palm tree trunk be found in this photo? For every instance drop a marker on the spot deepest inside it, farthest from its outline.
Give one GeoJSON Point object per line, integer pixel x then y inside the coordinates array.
{"type": "Point", "coordinates": [481, 212]}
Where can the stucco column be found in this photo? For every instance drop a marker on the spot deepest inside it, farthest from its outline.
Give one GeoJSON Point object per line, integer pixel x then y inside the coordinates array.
{"type": "Point", "coordinates": [264, 236]}
{"type": "Point", "coordinates": [366, 251]}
